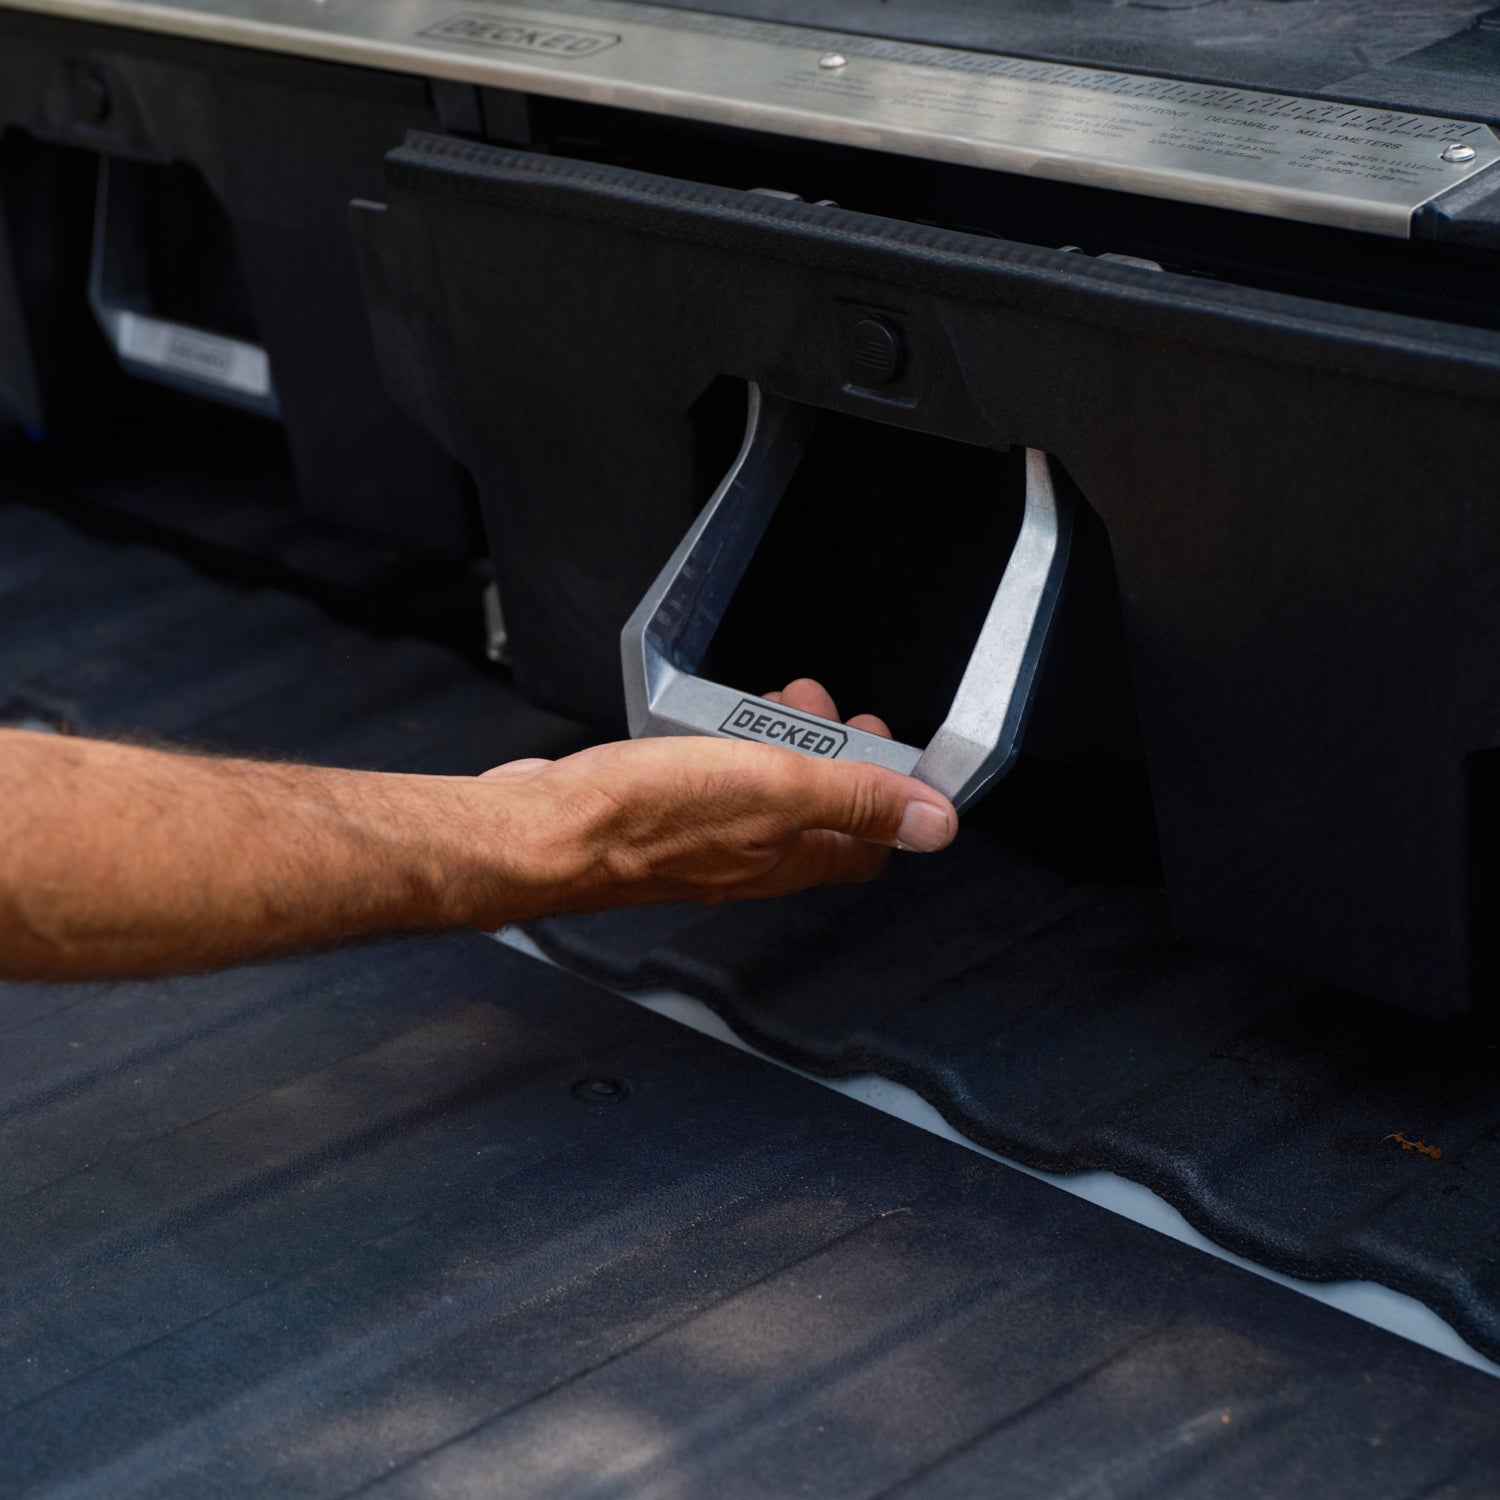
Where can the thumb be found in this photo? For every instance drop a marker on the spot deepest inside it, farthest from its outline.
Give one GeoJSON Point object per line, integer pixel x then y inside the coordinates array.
{"type": "Point", "coordinates": [871, 802]}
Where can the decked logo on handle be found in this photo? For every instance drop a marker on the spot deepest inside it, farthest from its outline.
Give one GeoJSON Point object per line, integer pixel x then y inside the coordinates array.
{"type": "Point", "coordinates": [752, 720]}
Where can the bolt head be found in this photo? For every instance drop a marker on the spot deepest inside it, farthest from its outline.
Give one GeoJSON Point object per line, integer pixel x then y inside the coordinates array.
{"type": "Point", "coordinates": [1459, 154]}
{"type": "Point", "coordinates": [832, 61]}
{"type": "Point", "coordinates": [600, 1090]}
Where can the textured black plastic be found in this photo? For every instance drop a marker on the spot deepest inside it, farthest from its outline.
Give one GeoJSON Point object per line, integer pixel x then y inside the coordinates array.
{"type": "Point", "coordinates": [55, 366]}
{"type": "Point", "coordinates": [1295, 494]}
{"type": "Point", "coordinates": [107, 638]}
{"type": "Point", "coordinates": [281, 145]}
{"type": "Point", "coordinates": [1060, 1023]}
{"type": "Point", "coordinates": [429, 1219]}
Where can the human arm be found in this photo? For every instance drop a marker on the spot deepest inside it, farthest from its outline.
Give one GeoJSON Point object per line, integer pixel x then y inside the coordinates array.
{"type": "Point", "coordinates": [117, 860]}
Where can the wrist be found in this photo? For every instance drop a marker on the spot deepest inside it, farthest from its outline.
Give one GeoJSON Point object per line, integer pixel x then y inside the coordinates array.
{"type": "Point", "coordinates": [499, 853]}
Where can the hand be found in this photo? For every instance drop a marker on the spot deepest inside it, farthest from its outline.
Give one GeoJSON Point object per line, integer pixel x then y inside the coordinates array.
{"type": "Point", "coordinates": [118, 861]}
{"type": "Point", "coordinates": [688, 819]}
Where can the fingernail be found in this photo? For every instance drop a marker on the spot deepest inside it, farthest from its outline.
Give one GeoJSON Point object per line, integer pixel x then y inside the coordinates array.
{"type": "Point", "coordinates": [924, 828]}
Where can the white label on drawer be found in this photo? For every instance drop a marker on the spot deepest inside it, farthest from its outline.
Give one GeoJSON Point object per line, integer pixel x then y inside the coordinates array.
{"type": "Point", "coordinates": [193, 354]}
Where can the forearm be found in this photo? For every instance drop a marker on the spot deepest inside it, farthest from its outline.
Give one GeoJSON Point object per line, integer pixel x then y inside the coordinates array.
{"type": "Point", "coordinates": [117, 860]}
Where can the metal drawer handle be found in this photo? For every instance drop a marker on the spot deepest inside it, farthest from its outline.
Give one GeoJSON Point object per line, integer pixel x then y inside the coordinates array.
{"type": "Point", "coordinates": [191, 359]}
{"type": "Point", "coordinates": [666, 638]}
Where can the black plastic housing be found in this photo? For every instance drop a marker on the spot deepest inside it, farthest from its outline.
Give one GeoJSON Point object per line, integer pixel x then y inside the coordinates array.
{"type": "Point", "coordinates": [278, 146]}
{"type": "Point", "coordinates": [1299, 499]}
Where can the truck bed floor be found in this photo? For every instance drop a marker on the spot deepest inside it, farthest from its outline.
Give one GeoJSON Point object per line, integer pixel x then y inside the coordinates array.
{"type": "Point", "coordinates": [427, 1218]}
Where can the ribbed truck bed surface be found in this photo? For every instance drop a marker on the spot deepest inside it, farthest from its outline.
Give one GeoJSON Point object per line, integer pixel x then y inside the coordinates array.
{"type": "Point", "coordinates": [430, 1219]}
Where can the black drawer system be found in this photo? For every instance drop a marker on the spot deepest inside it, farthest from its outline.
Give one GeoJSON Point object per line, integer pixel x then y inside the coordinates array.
{"type": "Point", "coordinates": [1277, 438]}
{"type": "Point", "coordinates": [1294, 495]}
{"type": "Point", "coordinates": [184, 208]}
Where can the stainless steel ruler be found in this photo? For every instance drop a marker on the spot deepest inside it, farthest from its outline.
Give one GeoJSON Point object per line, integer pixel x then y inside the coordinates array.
{"type": "Point", "coordinates": [1271, 154]}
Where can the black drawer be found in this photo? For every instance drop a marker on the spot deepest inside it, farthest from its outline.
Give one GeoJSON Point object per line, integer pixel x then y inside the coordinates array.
{"type": "Point", "coordinates": [1293, 503]}
{"type": "Point", "coordinates": [220, 252]}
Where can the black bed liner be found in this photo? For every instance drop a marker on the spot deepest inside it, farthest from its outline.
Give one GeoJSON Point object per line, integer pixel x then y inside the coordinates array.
{"type": "Point", "coordinates": [428, 1218]}
{"type": "Point", "coordinates": [367, 1221]}
{"type": "Point", "coordinates": [1061, 1024]}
